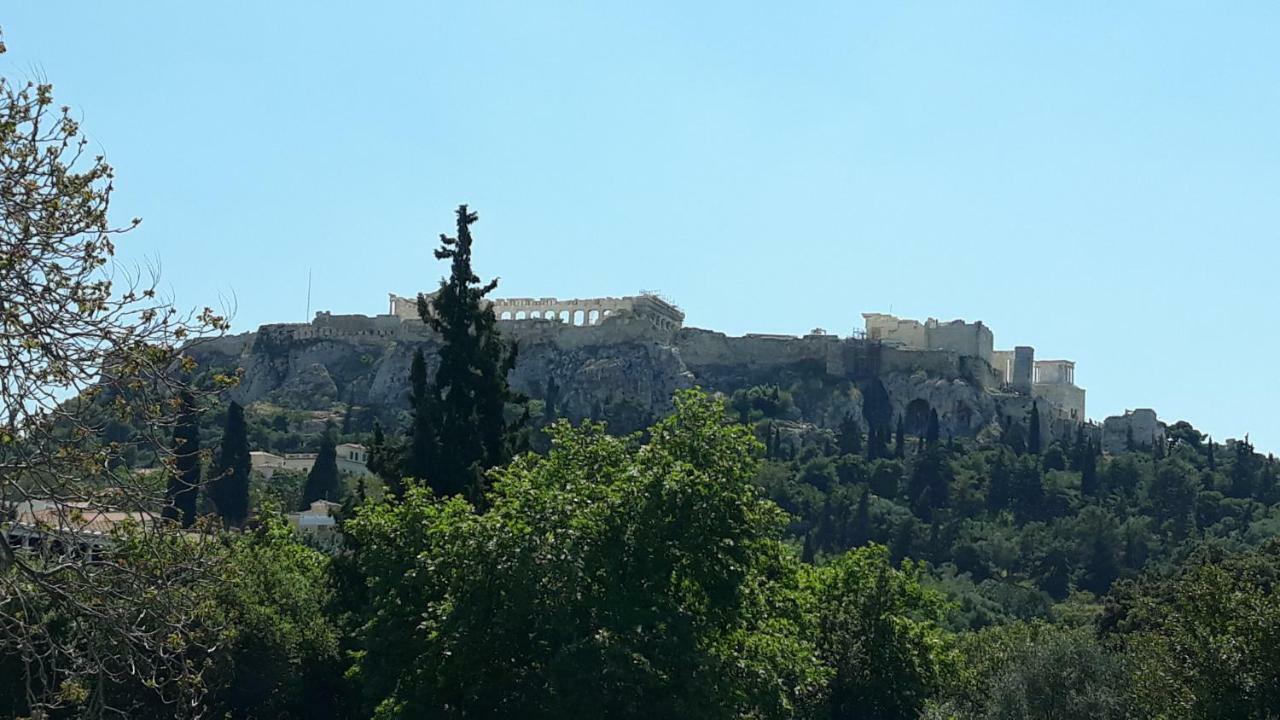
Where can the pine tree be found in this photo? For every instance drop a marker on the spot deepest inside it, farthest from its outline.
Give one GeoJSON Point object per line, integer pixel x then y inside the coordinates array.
{"type": "Point", "coordinates": [323, 482]}
{"type": "Point", "coordinates": [184, 483]}
{"type": "Point", "coordinates": [932, 430]}
{"type": "Point", "coordinates": [229, 489]}
{"type": "Point", "coordinates": [1033, 430]}
{"type": "Point", "coordinates": [470, 389]}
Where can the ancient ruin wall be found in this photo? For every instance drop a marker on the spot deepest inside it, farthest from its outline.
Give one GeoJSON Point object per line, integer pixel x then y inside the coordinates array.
{"type": "Point", "coordinates": [576, 311]}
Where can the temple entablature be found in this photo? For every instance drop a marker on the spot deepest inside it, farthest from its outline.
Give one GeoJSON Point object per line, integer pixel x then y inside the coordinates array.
{"type": "Point", "coordinates": [577, 311]}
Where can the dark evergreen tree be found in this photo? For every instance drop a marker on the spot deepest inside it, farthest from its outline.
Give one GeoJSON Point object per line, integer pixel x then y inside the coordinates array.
{"type": "Point", "coordinates": [932, 430]}
{"type": "Point", "coordinates": [470, 393]}
{"type": "Point", "coordinates": [861, 531]}
{"type": "Point", "coordinates": [899, 439]}
{"type": "Point", "coordinates": [1014, 436]}
{"type": "Point", "coordinates": [1054, 458]}
{"type": "Point", "coordinates": [1210, 460]}
{"type": "Point", "coordinates": [1243, 470]}
{"type": "Point", "coordinates": [878, 414]}
{"type": "Point", "coordinates": [1088, 467]}
{"type": "Point", "coordinates": [806, 553]}
{"type": "Point", "coordinates": [928, 487]}
{"type": "Point", "coordinates": [229, 487]}
{"type": "Point", "coordinates": [1027, 483]}
{"type": "Point", "coordinates": [423, 453]}
{"type": "Point", "coordinates": [387, 461]}
{"type": "Point", "coordinates": [849, 437]}
{"type": "Point", "coordinates": [323, 482]}
{"type": "Point", "coordinates": [551, 401]}
{"type": "Point", "coordinates": [1033, 430]}
{"type": "Point", "coordinates": [349, 412]}
{"type": "Point", "coordinates": [1000, 490]}
{"type": "Point", "coordinates": [184, 483]}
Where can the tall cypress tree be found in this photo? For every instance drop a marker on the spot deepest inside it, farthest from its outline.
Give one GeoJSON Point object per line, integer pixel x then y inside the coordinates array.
{"type": "Point", "coordinates": [899, 439]}
{"type": "Point", "coordinates": [470, 390]}
{"type": "Point", "coordinates": [849, 437]}
{"type": "Point", "coordinates": [229, 489]}
{"type": "Point", "coordinates": [184, 483]}
{"type": "Point", "coordinates": [550, 408]}
{"type": "Point", "coordinates": [932, 430]}
{"type": "Point", "coordinates": [323, 482]}
{"type": "Point", "coordinates": [423, 440]}
{"type": "Point", "coordinates": [1033, 430]}
{"type": "Point", "coordinates": [878, 413]}
{"type": "Point", "coordinates": [1088, 467]}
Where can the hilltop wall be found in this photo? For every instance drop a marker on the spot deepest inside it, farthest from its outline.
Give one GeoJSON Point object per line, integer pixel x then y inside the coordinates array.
{"type": "Point", "coordinates": [623, 367]}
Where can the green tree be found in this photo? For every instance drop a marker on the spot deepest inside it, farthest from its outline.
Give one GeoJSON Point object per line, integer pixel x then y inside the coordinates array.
{"type": "Point", "coordinates": [278, 651]}
{"type": "Point", "coordinates": [878, 414]}
{"type": "Point", "coordinates": [424, 402]}
{"type": "Point", "coordinates": [606, 579]}
{"type": "Point", "coordinates": [1204, 641]}
{"type": "Point", "coordinates": [899, 439]}
{"type": "Point", "coordinates": [1037, 672]}
{"type": "Point", "coordinates": [1033, 430]}
{"type": "Point", "coordinates": [551, 401]}
{"type": "Point", "coordinates": [229, 487]}
{"type": "Point", "coordinates": [849, 436]}
{"type": "Point", "coordinates": [323, 482]}
{"type": "Point", "coordinates": [470, 387]}
{"type": "Point", "coordinates": [928, 488]}
{"type": "Point", "coordinates": [1172, 494]}
{"type": "Point", "coordinates": [184, 481]}
{"type": "Point", "coordinates": [877, 628]}
{"type": "Point", "coordinates": [932, 429]}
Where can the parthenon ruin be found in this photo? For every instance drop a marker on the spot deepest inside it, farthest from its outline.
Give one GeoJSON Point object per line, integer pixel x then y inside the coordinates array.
{"type": "Point", "coordinates": [577, 311]}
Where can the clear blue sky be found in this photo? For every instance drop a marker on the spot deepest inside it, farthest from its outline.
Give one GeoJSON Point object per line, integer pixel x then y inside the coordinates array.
{"type": "Point", "coordinates": [1097, 179]}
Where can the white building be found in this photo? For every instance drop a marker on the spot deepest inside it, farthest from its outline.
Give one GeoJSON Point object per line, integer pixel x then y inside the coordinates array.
{"type": "Point", "coordinates": [353, 459]}
{"type": "Point", "coordinates": [317, 523]}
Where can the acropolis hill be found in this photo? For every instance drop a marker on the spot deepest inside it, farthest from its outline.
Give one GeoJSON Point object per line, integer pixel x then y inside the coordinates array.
{"type": "Point", "coordinates": [622, 358]}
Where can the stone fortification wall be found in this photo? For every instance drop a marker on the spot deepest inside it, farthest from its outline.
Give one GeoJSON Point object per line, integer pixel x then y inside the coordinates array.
{"type": "Point", "coordinates": [958, 336]}
{"type": "Point", "coordinates": [1065, 401]}
{"type": "Point", "coordinates": [625, 365]}
{"type": "Point", "coordinates": [1141, 425]}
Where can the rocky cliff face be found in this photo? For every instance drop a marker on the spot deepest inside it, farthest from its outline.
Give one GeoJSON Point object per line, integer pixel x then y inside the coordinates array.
{"type": "Point", "coordinates": [624, 370]}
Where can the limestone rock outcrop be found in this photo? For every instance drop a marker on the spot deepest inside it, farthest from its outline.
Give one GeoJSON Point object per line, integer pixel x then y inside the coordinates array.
{"type": "Point", "coordinates": [623, 369]}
